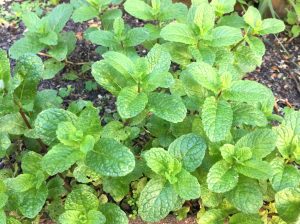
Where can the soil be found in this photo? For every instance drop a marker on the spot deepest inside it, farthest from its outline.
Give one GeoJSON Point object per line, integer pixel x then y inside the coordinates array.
{"type": "Point", "coordinates": [280, 71]}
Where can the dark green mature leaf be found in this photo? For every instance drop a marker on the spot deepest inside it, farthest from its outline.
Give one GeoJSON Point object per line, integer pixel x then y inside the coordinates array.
{"type": "Point", "coordinates": [110, 158]}
{"type": "Point", "coordinates": [246, 196]}
{"type": "Point", "coordinates": [103, 38]}
{"type": "Point", "coordinates": [135, 37]}
{"type": "Point", "coordinates": [217, 118]}
{"type": "Point", "coordinates": [190, 150]}
{"type": "Point", "coordinates": [156, 200]}
{"type": "Point", "coordinates": [287, 203]}
{"type": "Point", "coordinates": [222, 177]}
{"type": "Point", "coordinates": [84, 13]}
{"type": "Point", "coordinates": [168, 107]}
{"type": "Point", "coordinates": [25, 45]}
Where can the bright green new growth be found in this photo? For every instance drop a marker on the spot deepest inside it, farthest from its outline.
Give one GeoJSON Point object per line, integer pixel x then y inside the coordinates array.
{"type": "Point", "coordinates": [186, 94]}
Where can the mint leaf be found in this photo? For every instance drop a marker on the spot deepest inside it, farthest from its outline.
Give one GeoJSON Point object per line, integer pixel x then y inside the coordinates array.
{"type": "Point", "coordinates": [81, 199]}
{"type": "Point", "coordinates": [110, 158]}
{"type": "Point", "coordinates": [156, 200]}
{"type": "Point", "coordinates": [23, 46]}
{"type": "Point", "coordinates": [159, 60]}
{"type": "Point", "coordinates": [4, 70]}
{"type": "Point", "coordinates": [245, 219]}
{"type": "Point", "coordinates": [256, 169]}
{"type": "Point", "coordinates": [179, 32]}
{"type": "Point", "coordinates": [284, 176]}
{"type": "Point", "coordinates": [135, 37]}
{"type": "Point", "coordinates": [162, 163]}
{"type": "Point", "coordinates": [205, 75]}
{"type": "Point", "coordinates": [130, 102]}
{"type": "Point", "coordinates": [251, 92]}
{"type": "Point", "coordinates": [223, 36]}
{"type": "Point", "coordinates": [84, 13]}
{"type": "Point", "coordinates": [222, 177]}
{"type": "Point", "coordinates": [223, 6]}
{"type": "Point", "coordinates": [272, 26]}
{"type": "Point", "coordinates": [168, 107]}
{"type": "Point", "coordinates": [190, 150]}
{"type": "Point", "coordinates": [52, 67]}
{"type": "Point", "coordinates": [215, 216]}
{"type": "Point", "coordinates": [246, 196]}
{"type": "Point", "coordinates": [187, 186]}
{"type": "Point", "coordinates": [261, 141]}
{"type": "Point", "coordinates": [59, 16]}
{"type": "Point", "coordinates": [204, 17]}
{"type": "Point", "coordinates": [139, 9]}
{"type": "Point", "coordinates": [253, 18]}
{"type": "Point", "coordinates": [47, 121]}
{"type": "Point", "coordinates": [217, 118]}
{"type": "Point", "coordinates": [287, 203]}
{"type": "Point", "coordinates": [12, 124]}
{"type": "Point", "coordinates": [113, 214]}
{"type": "Point", "coordinates": [60, 158]}
{"type": "Point", "coordinates": [103, 38]}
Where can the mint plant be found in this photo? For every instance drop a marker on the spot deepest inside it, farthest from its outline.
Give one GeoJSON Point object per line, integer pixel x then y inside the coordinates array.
{"type": "Point", "coordinates": [121, 39]}
{"type": "Point", "coordinates": [293, 18]}
{"type": "Point", "coordinates": [90, 9]}
{"type": "Point", "coordinates": [46, 34]}
{"type": "Point", "coordinates": [189, 130]}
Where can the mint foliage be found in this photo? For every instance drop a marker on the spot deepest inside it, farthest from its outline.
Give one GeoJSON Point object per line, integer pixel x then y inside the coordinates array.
{"type": "Point", "coordinates": [187, 126]}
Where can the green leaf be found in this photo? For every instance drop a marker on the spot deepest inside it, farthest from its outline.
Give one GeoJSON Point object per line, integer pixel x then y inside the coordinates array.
{"type": "Point", "coordinates": [52, 67]}
{"type": "Point", "coordinates": [156, 200]}
{"type": "Point", "coordinates": [248, 115]}
{"type": "Point", "coordinates": [227, 152]}
{"type": "Point", "coordinates": [261, 141]}
{"type": "Point", "coordinates": [59, 16]}
{"type": "Point", "coordinates": [33, 201]}
{"type": "Point", "coordinates": [253, 18]}
{"type": "Point", "coordinates": [272, 26]}
{"type": "Point", "coordinates": [89, 122]}
{"type": "Point", "coordinates": [130, 102]}
{"type": "Point", "coordinates": [159, 60]}
{"type": "Point", "coordinates": [223, 36]}
{"type": "Point", "coordinates": [135, 37]}
{"type": "Point", "coordinates": [47, 121]}
{"type": "Point", "coordinates": [23, 46]}
{"type": "Point", "coordinates": [139, 9]}
{"type": "Point", "coordinates": [31, 162]}
{"type": "Point", "coordinates": [246, 196]}
{"type": "Point", "coordinates": [204, 17]}
{"type": "Point", "coordinates": [12, 124]}
{"type": "Point", "coordinates": [168, 107]}
{"type": "Point", "coordinates": [256, 169]}
{"type": "Point", "coordinates": [245, 219]}
{"type": "Point", "coordinates": [222, 177]}
{"type": "Point", "coordinates": [4, 70]}
{"type": "Point", "coordinates": [223, 6]}
{"type": "Point", "coordinates": [187, 186]}
{"type": "Point", "coordinates": [60, 158]}
{"type": "Point", "coordinates": [113, 214]}
{"type": "Point", "coordinates": [82, 199]}
{"type": "Point", "coordinates": [251, 92]}
{"type": "Point", "coordinates": [287, 203]}
{"type": "Point", "coordinates": [110, 158]}
{"type": "Point", "coordinates": [205, 75]}
{"type": "Point", "coordinates": [162, 163]}
{"type": "Point", "coordinates": [217, 119]}
{"type": "Point", "coordinates": [71, 216]}
{"type": "Point", "coordinates": [103, 38]}
{"type": "Point", "coordinates": [68, 134]}
{"type": "Point", "coordinates": [190, 150]}
{"type": "Point", "coordinates": [4, 143]}
{"type": "Point", "coordinates": [179, 32]}
{"type": "Point", "coordinates": [84, 13]}
{"type": "Point", "coordinates": [284, 175]}
{"type": "Point", "coordinates": [49, 38]}
{"type": "Point", "coordinates": [213, 216]}
{"type": "Point", "coordinates": [21, 183]}
{"type": "Point", "coordinates": [120, 62]}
